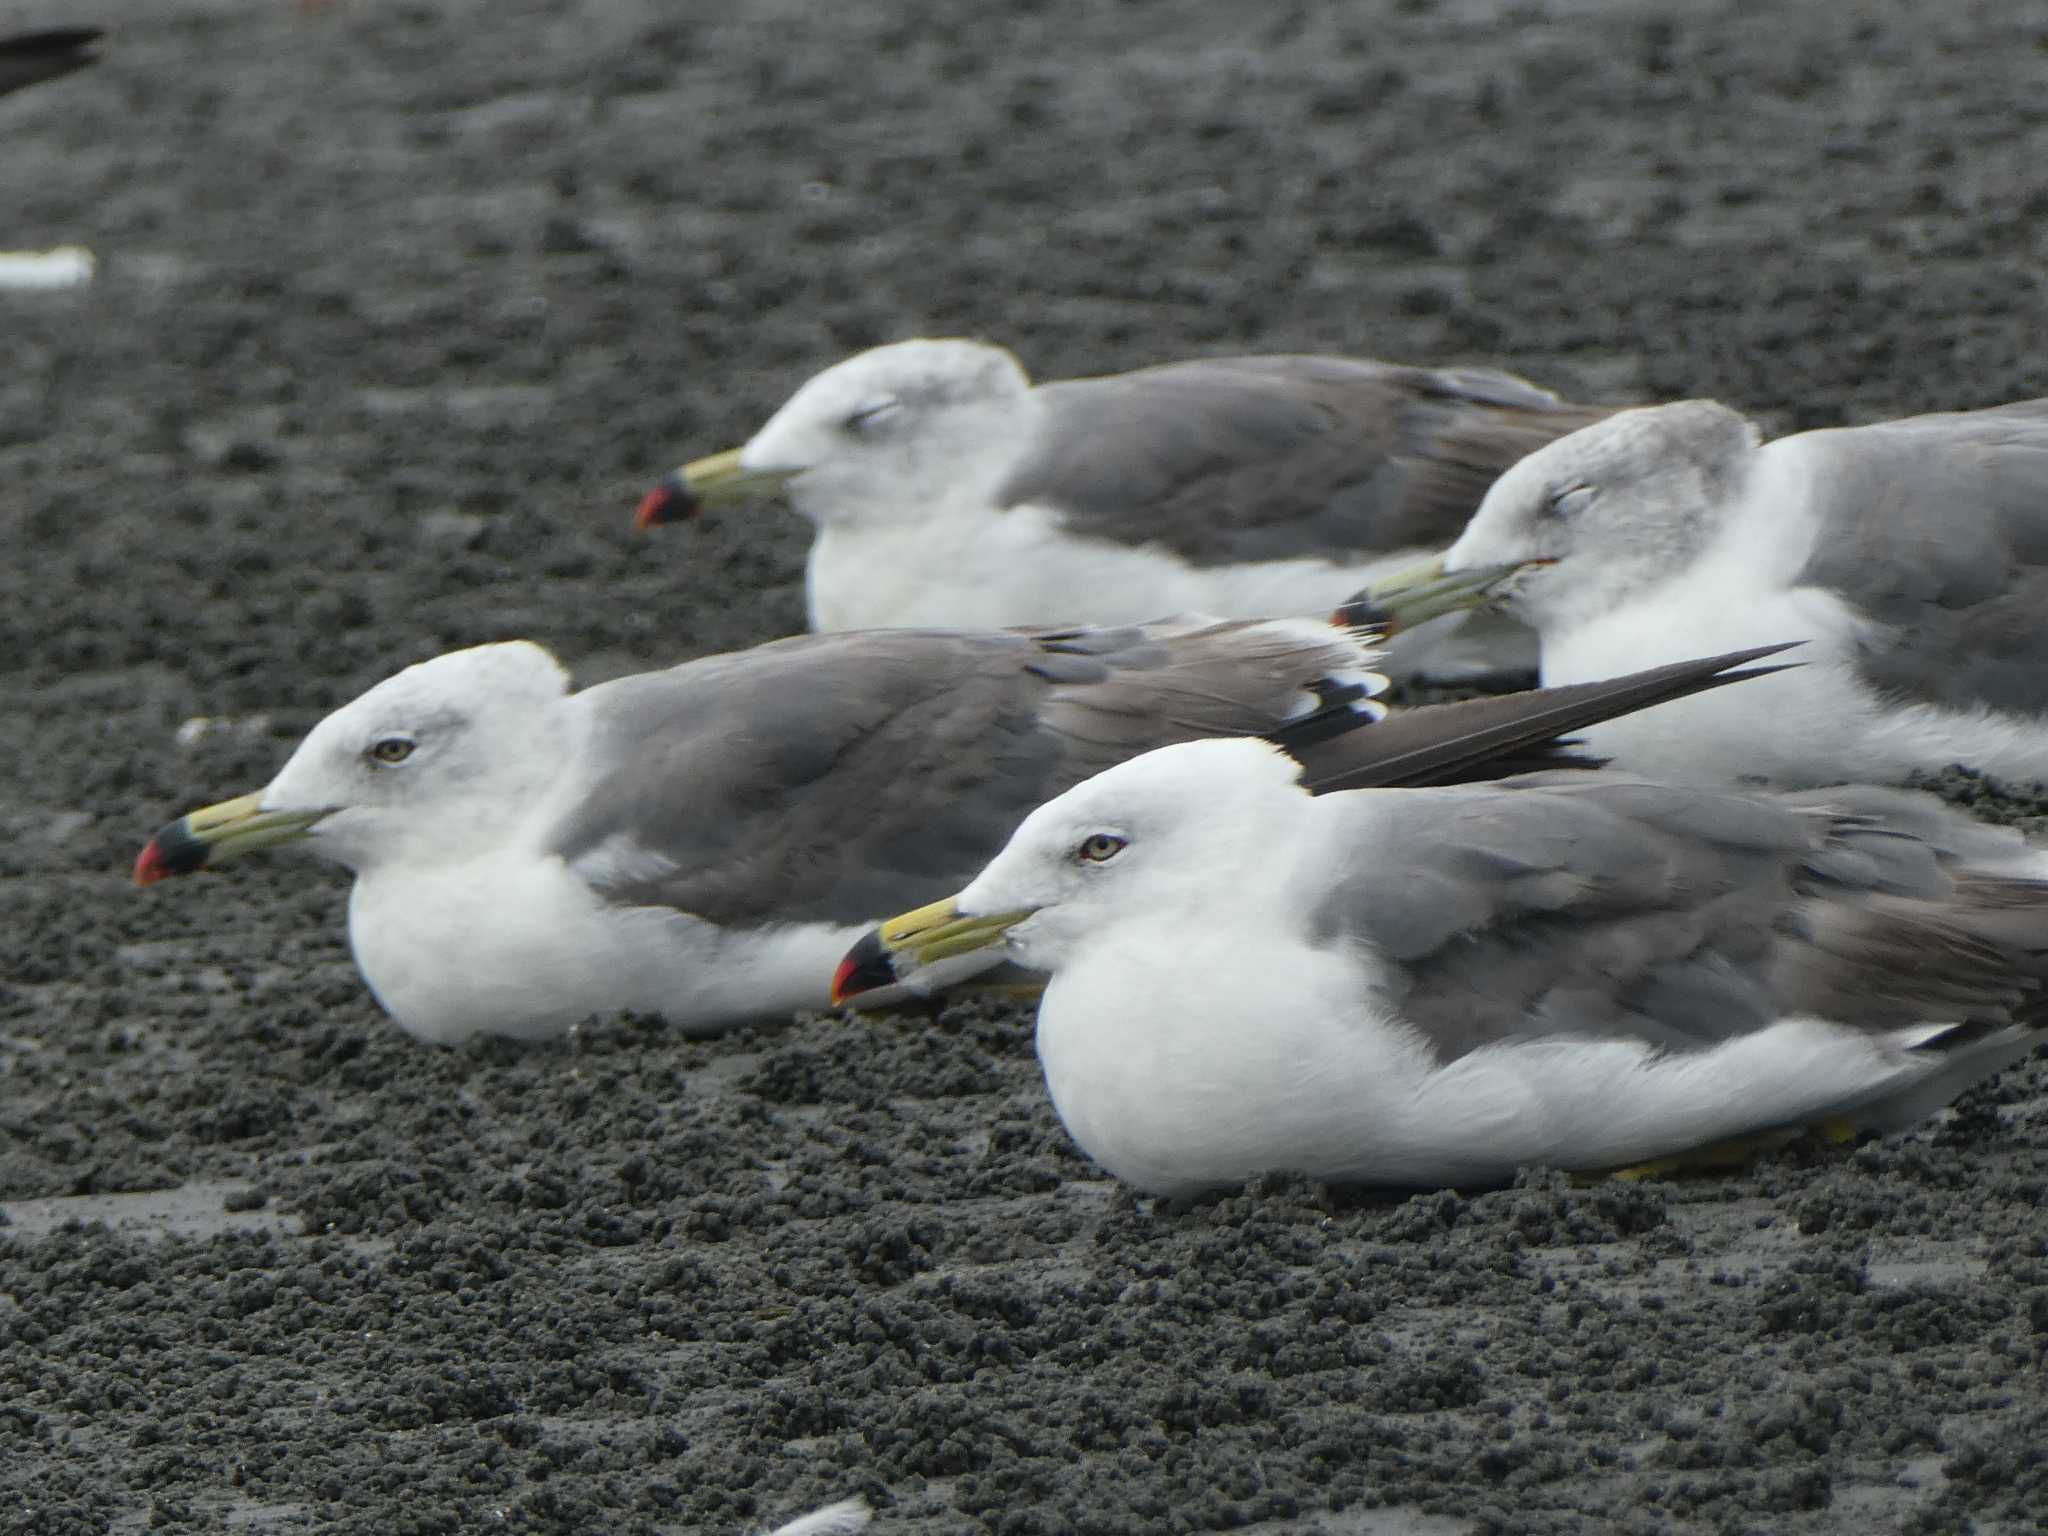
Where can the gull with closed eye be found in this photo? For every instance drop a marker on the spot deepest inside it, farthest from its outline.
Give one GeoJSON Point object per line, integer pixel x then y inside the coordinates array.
{"type": "Point", "coordinates": [1910, 556]}
{"type": "Point", "coordinates": [946, 488]}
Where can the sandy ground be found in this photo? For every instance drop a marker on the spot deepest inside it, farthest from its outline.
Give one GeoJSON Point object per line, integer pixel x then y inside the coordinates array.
{"type": "Point", "coordinates": [402, 302]}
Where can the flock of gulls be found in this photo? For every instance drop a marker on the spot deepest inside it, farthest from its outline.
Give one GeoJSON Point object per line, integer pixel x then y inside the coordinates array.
{"type": "Point", "coordinates": [1096, 704]}
{"type": "Point", "coordinates": [1277, 922]}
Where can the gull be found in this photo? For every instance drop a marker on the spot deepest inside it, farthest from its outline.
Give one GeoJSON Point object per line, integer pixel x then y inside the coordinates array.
{"type": "Point", "coordinates": [1910, 556]}
{"type": "Point", "coordinates": [704, 842]}
{"type": "Point", "coordinates": [947, 489]}
{"type": "Point", "coordinates": [1417, 988]}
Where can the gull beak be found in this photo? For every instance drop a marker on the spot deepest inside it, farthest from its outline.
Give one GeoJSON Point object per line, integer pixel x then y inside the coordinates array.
{"type": "Point", "coordinates": [216, 833]}
{"type": "Point", "coordinates": [1426, 591]}
{"type": "Point", "coordinates": [892, 953]}
{"type": "Point", "coordinates": [706, 482]}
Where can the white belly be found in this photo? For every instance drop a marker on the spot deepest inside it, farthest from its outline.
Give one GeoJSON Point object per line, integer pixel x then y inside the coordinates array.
{"type": "Point", "coordinates": [1221, 1059]}
{"type": "Point", "coordinates": [512, 946]}
{"type": "Point", "coordinates": [1195, 1070]}
{"type": "Point", "coordinates": [1792, 728]}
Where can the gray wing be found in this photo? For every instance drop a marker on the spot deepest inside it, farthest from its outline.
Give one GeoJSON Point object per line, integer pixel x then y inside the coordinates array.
{"type": "Point", "coordinates": [843, 777]}
{"type": "Point", "coordinates": [29, 58]}
{"type": "Point", "coordinates": [1936, 528]}
{"type": "Point", "coordinates": [1274, 458]}
{"type": "Point", "coordinates": [1559, 904]}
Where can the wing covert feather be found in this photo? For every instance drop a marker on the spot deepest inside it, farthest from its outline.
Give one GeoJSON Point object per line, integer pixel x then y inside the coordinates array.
{"type": "Point", "coordinates": [1222, 460]}
{"type": "Point", "coordinates": [1557, 904]}
{"type": "Point", "coordinates": [1936, 529]}
{"type": "Point", "coordinates": [842, 777]}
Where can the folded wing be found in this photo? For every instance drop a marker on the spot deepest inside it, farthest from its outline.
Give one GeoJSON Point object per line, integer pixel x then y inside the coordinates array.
{"type": "Point", "coordinates": [1235, 459]}
{"type": "Point", "coordinates": [1582, 905]}
{"type": "Point", "coordinates": [1936, 529]}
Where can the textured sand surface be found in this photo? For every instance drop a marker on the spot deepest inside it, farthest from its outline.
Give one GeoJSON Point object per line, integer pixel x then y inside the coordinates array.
{"type": "Point", "coordinates": [401, 305]}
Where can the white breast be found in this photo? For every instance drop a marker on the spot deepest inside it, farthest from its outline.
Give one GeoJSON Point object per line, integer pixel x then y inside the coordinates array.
{"type": "Point", "coordinates": [1802, 726]}
{"type": "Point", "coordinates": [1180, 1065]}
{"type": "Point", "coordinates": [510, 945]}
{"type": "Point", "coordinates": [1815, 724]}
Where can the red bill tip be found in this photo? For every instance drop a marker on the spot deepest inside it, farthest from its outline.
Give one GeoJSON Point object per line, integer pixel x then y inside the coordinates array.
{"type": "Point", "coordinates": [1360, 613]}
{"type": "Point", "coordinates": [652, 507]}
{"type": "Point", "coordinates": [868, 967]}
{"type": "Point", "coordinates": [668, 502]}
{"type": "Point", "coordinates": [841, 979]}
{"type": "Point", "coordinates": [149, 864]}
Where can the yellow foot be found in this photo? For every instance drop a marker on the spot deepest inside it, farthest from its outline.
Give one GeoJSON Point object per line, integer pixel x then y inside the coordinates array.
{"type": "Point", "coordinates": [1715, 1157]}
{"type": "Point", "coordinates": [1004, 992]}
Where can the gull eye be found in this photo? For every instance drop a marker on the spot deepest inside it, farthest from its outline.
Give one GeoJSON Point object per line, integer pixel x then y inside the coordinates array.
{"type": "Point", "coordinates": [391, 750]}
{"type": "Point", "coordinates": [1100, 848]}
{"type": "Point", "coordinates": [1571, 501]}
{"type": "Point", "coordinates": [869, 416]}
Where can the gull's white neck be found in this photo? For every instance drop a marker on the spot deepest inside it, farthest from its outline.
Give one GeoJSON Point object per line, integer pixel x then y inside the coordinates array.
{"type": "Point", "coordinates": [1735, 592]}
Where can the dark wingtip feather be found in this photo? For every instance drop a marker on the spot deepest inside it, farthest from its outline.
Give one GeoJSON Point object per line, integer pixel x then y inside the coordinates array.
{"type": "Point", "coordinates": [1496, 737]}
{"type": "Point", "coordinates": [29, 58]}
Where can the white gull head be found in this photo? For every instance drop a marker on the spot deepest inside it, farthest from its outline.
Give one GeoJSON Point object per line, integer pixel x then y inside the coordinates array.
{"type": "Point", "coordinates": [437, 761]}
{"type": "Point", "coordinates": [896, 431]}
{"type": "Point", "coordinates": [1144, 840]}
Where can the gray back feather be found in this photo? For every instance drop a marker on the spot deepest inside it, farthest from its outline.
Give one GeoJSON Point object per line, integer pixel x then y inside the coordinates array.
{"type": "Point", "coordinates": [1562, 904]}
{"type": "Point", "coordinates": [843, 777]}
{"type": "Point", "coordinates": [1936, 527]}
{"type": "Point", "coordinates": [1224, 460]}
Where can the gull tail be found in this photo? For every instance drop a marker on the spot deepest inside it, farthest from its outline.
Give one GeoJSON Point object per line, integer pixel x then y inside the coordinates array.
{"type": "Point", "coordinates": [1494, 738]}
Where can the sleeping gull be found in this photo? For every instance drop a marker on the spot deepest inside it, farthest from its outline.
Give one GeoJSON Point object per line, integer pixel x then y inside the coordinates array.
{"type": "Point", "coordinates": [1912, 556]}
{"type": "Point", "coordinates": [947, 489]}
{"type": "Point", "coordinates": [704, 842]}
{"type": "Point", "coordinates": [1425, 987]}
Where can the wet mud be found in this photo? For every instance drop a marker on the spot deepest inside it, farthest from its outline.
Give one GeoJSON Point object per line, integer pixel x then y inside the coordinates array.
{"type": "Point", "coordinates": [401, 305]}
